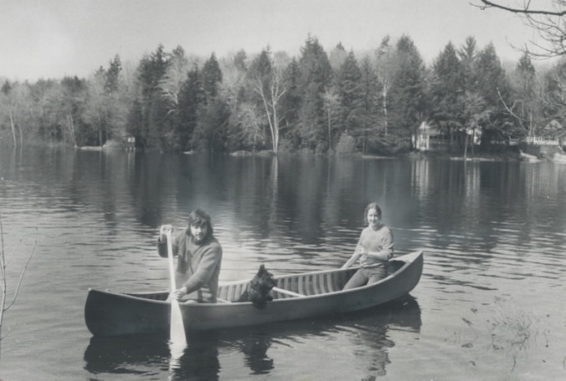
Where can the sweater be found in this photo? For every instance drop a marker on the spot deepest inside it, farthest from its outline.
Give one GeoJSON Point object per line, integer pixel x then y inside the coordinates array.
{"type": "Point", "coordinates": [198, 265]}
{"type": "Point", "coordinates": [377, 245]}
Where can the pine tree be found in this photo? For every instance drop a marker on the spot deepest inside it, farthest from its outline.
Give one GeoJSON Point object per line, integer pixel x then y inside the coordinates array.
{"type": "Point", "coordinates": [315, 76]}
{"type": "Point", "coordinates": [291, 104]}
{"type": "Point", "coordinates": [447, 89]}
{"type": "Point", "coordinates": [211, 77]}
{"type": "Point", "coordinates": [526, 107]}
{"type": "Point", "coordinates": [493, 87]}
{"type": "Point", "coordinates": [407, 90]}
{"type": "Point", "coordinates": [151, 70]}
{"type": "Point", "coordinates": [371, 103]}
{"type": "Point", "coordinates": [348, 84]}
{"type": "Point", "coordinates": [191, 97]}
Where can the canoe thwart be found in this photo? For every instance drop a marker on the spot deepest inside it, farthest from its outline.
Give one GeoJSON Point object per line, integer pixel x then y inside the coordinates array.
{"type": "Point", "coordinates": [287, 292]}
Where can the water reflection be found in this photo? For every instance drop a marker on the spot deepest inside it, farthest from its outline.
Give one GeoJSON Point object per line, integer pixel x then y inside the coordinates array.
{"type": "Point", "coordinates": [489, 229]}
{"type": "Point", "coordinates": [367, 332]}
{"type": "Point", "coordinates": [126, 355]}
{"type": "Point", "coordinates": [373, 341]}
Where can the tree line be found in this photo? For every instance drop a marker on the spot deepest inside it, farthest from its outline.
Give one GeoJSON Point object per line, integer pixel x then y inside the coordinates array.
{"type": "Point", "coordinates": [317, 101]}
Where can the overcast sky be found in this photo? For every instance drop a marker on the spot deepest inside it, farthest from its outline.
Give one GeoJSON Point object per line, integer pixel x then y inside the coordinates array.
{"type": "Point", "coordinates": [53, 38]}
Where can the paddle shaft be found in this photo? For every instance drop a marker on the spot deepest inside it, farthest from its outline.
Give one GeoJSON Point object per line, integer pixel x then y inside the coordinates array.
{"type": "Point", "coordinates": [172, 284]}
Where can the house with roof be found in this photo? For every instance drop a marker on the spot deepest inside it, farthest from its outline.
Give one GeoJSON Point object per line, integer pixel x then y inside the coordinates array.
{"type": "Point", "coordinates": [547, 141]}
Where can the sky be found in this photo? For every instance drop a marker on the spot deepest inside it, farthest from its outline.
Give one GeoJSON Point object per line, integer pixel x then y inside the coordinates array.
{"type": "Point", "coordinates": [55, 38]}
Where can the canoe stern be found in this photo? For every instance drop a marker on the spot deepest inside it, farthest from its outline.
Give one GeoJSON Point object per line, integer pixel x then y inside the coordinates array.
{"type": "Point", "coordinates": [110, 314]}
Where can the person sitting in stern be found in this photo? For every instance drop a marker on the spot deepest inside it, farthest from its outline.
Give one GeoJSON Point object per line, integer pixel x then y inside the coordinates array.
{"type": "Point", "coordinates": [199, 256]}
{"type": "Point", "coordinates": [374, 249]}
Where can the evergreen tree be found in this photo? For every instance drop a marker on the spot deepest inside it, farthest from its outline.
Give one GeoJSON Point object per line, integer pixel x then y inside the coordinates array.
{"type": "Point", "coordinates": [526, 106]}
{"type": "Point", "coordinates": [447, 89]}
{"type": "Point", "coordinates": [494, 88]}
{"type": "Point", "coordinates": [407, 91]}
{"type": "Point", "coordinates": [371, 103]}
{"type": "Point", "coordinates": [348, 84]}
{"type": "Point", "coordinates": [467, 55]}
{"type": "Point", "coordinates": [211, 133]}
{"type": "Point", "coordinates": [74, 92]}
{"type": "Point", "coordinates": [554, 107]}
{"type": "Point", "coordinates": [291, 104]}
{"type": "Point", "coordinates": [240, 61]}
{"type": "Point", "coordinates": [151, 70]}
{"type": "Point", "coordinates": [211, 77]}
{"type": "Point", "coordinates": [112, 75]}
{"type": "Point", "coordinates": [337, 57]}
{"type": "Point", "coordinates": [490, 77]}
{"type": "Point", "coordinates": [315, 76]}
{"type": "Point", "coordinates": [191, 98]}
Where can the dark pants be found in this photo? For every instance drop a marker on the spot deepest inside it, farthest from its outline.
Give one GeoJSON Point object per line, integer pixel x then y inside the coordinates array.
{"type": "Point", "coordinates": [365, 276]}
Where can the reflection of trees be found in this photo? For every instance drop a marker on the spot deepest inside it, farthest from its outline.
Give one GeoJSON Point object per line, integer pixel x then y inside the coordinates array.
{"type": "Point", "coordinates": [302, 188]}
{"type": "Point", "coordinates": [420, 177]}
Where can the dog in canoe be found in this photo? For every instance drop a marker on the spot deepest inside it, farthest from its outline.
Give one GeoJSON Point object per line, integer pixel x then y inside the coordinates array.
{"type": "Point", "coordinates": [259, 290]}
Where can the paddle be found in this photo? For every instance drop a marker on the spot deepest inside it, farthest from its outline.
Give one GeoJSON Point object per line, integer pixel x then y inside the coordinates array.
{"type": "Point", "coordinates": [177, 338]}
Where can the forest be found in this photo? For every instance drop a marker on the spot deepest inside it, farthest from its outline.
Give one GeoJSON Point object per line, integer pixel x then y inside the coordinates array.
{"type": "Point", "coordinates": [322, 102]}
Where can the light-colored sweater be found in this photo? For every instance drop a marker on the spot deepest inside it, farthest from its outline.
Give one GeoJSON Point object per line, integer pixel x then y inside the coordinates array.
{"type": "Point", "coordinates": [377, 245]}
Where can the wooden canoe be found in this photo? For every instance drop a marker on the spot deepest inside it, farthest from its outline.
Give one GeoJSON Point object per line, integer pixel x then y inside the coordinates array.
{"type": "Point", "coordinates": [297, 296]}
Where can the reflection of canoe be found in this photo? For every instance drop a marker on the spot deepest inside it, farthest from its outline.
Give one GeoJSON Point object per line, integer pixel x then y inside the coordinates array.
{"type": "Point", "coordinates": [298, 296]}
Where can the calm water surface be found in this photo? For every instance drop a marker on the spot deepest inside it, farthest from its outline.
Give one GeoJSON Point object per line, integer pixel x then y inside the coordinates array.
{"type": "Point", "coordinates": [490, 304]}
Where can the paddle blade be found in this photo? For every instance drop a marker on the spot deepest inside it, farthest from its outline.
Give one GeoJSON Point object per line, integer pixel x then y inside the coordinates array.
{"type": "Point", "coordinates": [177, 338]}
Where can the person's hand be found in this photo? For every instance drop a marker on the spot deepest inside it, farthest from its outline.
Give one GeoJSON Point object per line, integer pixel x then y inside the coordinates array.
{"type": "Point", "coordinates": [164, 230]}
{"type": "Point", "coordinates": [179, 293]}
{"type": "Point", "coordinates": [360, 250]}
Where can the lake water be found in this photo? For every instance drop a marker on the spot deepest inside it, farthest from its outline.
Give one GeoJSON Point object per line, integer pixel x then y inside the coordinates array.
{"type": "Point", "coordinates": [490, 304]}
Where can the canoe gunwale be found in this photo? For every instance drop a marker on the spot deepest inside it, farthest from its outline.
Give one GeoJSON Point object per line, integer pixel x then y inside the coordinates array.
{"type": "Point", "coordinates": [407, 260]}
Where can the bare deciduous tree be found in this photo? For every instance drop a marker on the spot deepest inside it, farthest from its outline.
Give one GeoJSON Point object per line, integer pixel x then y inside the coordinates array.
{"type": "Point", "coordinates": [251, 121]}
{"type": "Point", "coordinates": [5, 305]}
{"type": "Point", "coordinates": [386, 68]}
{"type": "Point", "coordinates": [545, 16]}
{"type": "Point", "coordinates": [331, 102]}
{"type": "Point", "coordinates": [267, 82]}
{"type": "Point", "coordinates": [173, 78]}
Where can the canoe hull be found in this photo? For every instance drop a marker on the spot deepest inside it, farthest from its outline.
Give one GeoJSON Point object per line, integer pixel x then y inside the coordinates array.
{"type": "Point", "coordinates": [110, 314]}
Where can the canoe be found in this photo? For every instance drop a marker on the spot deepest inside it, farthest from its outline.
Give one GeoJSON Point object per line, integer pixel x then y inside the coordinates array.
{"type": "Point", "coordinates": [297, 296]}
{"type": "Point", "coordinates": [528, 157]}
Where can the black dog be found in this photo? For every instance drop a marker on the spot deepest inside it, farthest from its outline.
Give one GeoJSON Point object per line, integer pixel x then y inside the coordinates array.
{"type": "Point", "coordinates": [259, 290]}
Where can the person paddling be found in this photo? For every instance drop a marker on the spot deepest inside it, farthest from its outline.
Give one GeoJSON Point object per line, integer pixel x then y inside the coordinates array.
{"type": "Point", "coordinates": [199, 256]}
{"type": "Point", "coordinates": [374, 249]}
